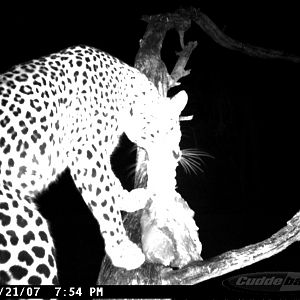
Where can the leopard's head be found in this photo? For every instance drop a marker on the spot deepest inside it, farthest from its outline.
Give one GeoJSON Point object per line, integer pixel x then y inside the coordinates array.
{"type": "Point", "coordinates": [155, 127]}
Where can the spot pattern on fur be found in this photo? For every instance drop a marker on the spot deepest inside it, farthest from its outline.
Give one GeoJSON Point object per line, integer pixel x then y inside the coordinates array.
{"type": "Point", "coordinates": [68, 110]}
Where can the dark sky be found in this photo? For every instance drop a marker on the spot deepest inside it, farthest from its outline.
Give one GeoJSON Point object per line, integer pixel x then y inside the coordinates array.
{"type": "Point", "coordinates": [249, 190]}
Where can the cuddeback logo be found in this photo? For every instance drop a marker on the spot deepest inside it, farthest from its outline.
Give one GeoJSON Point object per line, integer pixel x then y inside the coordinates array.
{"type": "Point", "coordinates": [265, 282]}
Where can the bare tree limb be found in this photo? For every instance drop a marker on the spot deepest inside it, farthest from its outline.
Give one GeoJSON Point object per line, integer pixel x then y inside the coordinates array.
{"type": "Point", "coordinates": [148, 61]}
{"type": "Point", "coordinates": [210, 28]}
{"type": "Point", "coordinates": [199, 271]}
{"type": "Point", "coordinates": [179, 69]}
{"type": "Point", "coordinates": [236, 259]}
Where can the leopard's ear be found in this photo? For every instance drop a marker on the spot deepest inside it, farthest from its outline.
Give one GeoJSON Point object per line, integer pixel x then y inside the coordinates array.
{"type": "Point", "coordinates": [179, 101]}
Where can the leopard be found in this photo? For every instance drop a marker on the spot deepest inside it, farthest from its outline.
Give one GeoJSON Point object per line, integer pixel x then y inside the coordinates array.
{"type": "Point", "coordinates": [68, 110]}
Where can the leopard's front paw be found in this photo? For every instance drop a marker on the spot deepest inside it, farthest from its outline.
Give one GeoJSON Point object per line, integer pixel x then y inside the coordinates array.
{"type": "Point", "coordinates": [126, 255]}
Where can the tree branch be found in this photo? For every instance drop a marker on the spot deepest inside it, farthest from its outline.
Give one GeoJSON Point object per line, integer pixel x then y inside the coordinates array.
{"type": "Point", "coordinates": [148, 61]}
{"type": "Point", "coordinates": [179, 69]}
{"type": "Point", "coordinates": [210, 28]}
{"type": "Point", "coordinates": [199, 271]}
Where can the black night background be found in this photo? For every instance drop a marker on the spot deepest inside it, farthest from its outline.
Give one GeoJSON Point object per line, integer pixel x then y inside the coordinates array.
{"type": "Point", "coordinates": [245, 115]}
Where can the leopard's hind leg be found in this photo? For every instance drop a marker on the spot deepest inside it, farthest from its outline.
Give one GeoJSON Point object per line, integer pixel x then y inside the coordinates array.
{"type": "Point", "coordinates": [26, 246]}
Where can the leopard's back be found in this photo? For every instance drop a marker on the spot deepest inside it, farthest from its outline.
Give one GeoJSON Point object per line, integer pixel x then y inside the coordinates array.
{"type": "Point", "coordinates": [68, 110]}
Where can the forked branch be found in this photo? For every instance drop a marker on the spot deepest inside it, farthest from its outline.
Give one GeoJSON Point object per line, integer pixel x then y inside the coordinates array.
{"type": "Point", "coordinates": [148, 61]}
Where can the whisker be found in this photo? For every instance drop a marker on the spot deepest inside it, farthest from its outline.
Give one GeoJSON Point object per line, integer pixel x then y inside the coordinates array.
{"type": "Point", "coordinates": [184, 165]}
{"type": "Point", "coordinates": [132, 149]}
{"type": "Point", "coordinates": [196, 152]}
{"type": "Point", "coordinates": [195, 165]}
{"type": "Point", "coordinates": [194, 158]}
{"type": "Point", "coordinates": [131, 170]}
{"type": "Point", "coordinates": [192, 161]}
{"type": "Point", "coordinates": [190, 166]}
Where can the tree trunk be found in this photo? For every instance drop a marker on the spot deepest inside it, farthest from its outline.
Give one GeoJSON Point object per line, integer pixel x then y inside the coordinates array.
{"type": "Point", "coordinates": [148, 61]}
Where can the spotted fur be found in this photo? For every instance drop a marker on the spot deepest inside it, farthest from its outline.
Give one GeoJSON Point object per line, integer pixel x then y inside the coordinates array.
{"type": "Point", "coordinates": [68, 110]}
